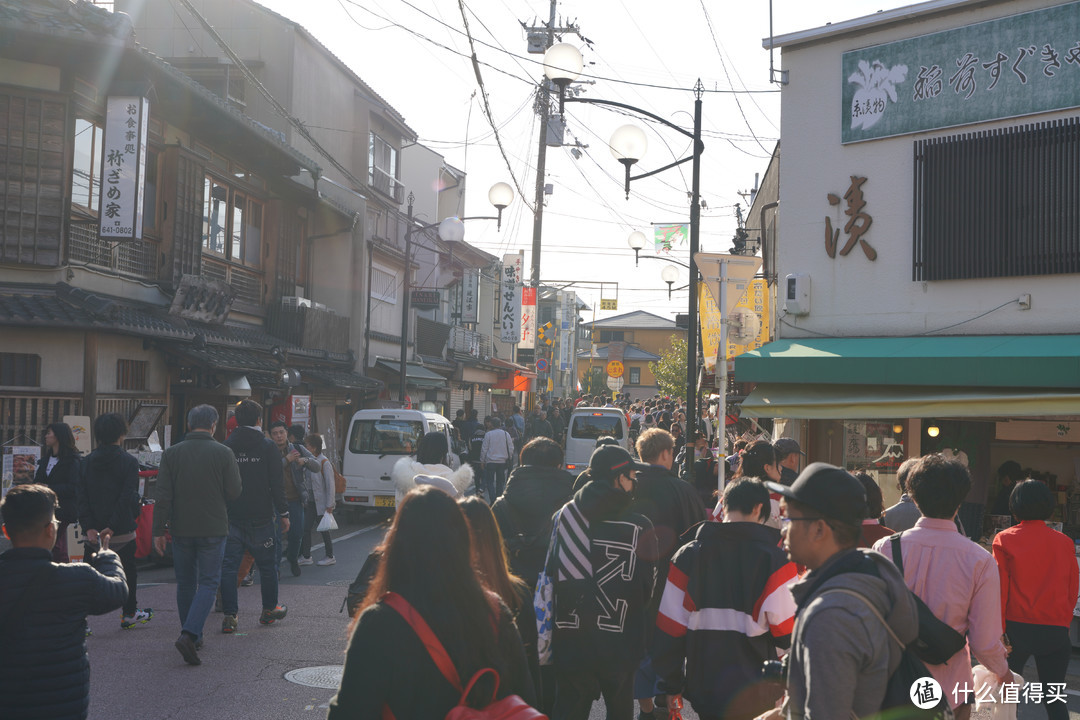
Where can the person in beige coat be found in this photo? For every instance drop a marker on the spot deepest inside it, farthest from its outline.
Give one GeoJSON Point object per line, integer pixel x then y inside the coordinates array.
{"type": "Point", "coordinates": [320, 486]}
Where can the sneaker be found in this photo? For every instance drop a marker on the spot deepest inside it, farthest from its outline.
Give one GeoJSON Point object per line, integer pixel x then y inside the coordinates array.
{"type": "Point", "coordinates": [249, 579]}
{"type": "Point", "coordinates": [198, 644]}
{"type": "Point", "coordinates": [294, 565]}
{"type": "Point", "coordinates": [327, 561]}
{"type": "Point", "coordinates": [268, 617]}
{"type": "Point", "coordinates": [305, 561]}
{"type": "Point", "coordinates": [217, 602]}
{"type": "Point", "coordinates": [140, 616]}
{"type": "Point", "coordinates": [228, 624]}
{"type": "Point", "coordinates": [188, 649]}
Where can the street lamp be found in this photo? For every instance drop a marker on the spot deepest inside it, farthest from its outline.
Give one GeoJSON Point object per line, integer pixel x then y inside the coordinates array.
{"type": "Point", "coordinates": [628, 145]}
{"type": "Point", "coordinates": [636, 241]}
{"type": "Point", "coordinates": [669, 275]}
{"type": "Point", "coordinates": [451, 230]}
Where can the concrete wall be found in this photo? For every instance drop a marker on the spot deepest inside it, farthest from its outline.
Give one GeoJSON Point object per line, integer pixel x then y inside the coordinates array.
{"type": "Point", "coordinates": [120, 347]}
{"type": "Point", "coordinates": [852, 296]}
{"type": "Point", "coordinates": [61, 353]}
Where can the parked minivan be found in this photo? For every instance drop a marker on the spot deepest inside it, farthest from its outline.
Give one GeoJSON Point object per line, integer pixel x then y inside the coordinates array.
{"type": "Point", "coordinates": [588, 424]}
{"type": "Point", "coordinates": [377, 439]}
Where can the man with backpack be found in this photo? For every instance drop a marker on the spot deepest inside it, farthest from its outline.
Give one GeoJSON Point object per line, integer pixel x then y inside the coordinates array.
{"type": "Point", "coordinates": [957, 579]}
{"type": "Point", "coordinates": [854, 616]}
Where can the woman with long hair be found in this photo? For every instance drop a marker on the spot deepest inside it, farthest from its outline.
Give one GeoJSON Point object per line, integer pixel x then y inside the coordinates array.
{"type": "Point", "coordinates": [59, 469]}
{"type": "Point", "coordinates": [427, 560]}
{"type": "Point", "coordinates": [489, 559]}
{"type": "Point", "coordinates": [432, 460]}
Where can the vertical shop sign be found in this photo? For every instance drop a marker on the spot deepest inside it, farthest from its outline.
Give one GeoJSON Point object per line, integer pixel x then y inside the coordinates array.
{"type": "Point", "coordinates": [470, 295]}
{"type": "Point", "coordinates": [528, 318]}
{"type": "Point", "coordinates": [510, 298]}
{"type": "Point", "coordinates": [124, 167]}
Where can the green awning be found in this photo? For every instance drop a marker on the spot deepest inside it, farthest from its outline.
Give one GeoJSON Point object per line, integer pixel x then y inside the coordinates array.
{"type": "Point", "coordinates": [857, 402]}
{"type": "Point", "coordinates": [1000, 361]}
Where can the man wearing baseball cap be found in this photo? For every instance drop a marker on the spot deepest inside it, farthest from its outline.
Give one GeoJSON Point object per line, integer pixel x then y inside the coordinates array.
{"type": "Point", "coordinates": [604, 570]}
{"type": "Point", "coordinates": [788, 457]}
{"type": "Point", "coordinates": [841, 654]}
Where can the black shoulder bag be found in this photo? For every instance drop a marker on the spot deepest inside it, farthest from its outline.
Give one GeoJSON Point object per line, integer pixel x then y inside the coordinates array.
{"type": "Point", "coordinates": [937, 640]}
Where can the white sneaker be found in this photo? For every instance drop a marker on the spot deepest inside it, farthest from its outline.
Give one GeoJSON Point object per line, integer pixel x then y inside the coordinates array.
{"type": "Point", "coordinates": [305, 561]}
{"type": "Point", "coordinates": [327, 561]}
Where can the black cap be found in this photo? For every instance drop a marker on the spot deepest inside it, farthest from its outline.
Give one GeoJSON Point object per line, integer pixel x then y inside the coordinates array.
{"type": "Point", "coordinates": [831, 491]}
{"type": "Point", "coordinates": [607, 461]}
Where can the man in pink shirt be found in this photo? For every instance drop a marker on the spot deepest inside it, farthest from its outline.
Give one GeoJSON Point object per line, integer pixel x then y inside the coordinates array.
{"type": "Point", "coordinates": [957, 579]}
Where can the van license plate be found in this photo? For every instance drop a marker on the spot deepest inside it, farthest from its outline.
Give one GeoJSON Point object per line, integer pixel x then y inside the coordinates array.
{"type": "Point", "coordinates": [384, 501]}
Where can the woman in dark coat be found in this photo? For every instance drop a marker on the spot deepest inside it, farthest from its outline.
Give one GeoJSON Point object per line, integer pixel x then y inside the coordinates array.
{"type": "Point", "coordinates": [109, 504]}
{"type": "Point", "coordinates": [59, 469]}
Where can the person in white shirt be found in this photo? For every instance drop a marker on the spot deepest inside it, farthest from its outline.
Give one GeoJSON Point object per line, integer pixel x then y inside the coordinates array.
{"type": "Point", "coordinates": [496, 456]}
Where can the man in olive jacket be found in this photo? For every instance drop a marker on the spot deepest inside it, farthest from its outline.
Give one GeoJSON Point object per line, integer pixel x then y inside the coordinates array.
{"type": "Point", "coordinates": [195, 480]}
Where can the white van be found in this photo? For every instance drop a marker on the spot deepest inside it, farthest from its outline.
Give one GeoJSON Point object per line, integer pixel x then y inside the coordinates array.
{"type": "Point", "coordinates": [588, 424]}
{"type": "Point", "coordinates": [377, 439]}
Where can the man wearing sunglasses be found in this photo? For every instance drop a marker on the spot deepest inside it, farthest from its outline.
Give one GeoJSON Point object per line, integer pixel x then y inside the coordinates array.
{"type": "Point", "coordinates": [841, 654]}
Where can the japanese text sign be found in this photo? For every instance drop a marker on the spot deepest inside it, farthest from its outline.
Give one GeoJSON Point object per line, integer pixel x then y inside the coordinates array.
{"type": "Point", "coordinates": [1016, 65]}
{"type": "Point", "coordinates": [470, 295]}
{"type": "Point", "coordinates": [510, 298]}
{"type": "Point", "coordinates": [528, 318]}
{"type": "Point", "coordinates": [123, 171]}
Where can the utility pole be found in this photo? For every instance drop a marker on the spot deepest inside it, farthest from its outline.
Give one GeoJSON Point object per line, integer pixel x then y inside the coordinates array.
{"type": "Point", "coordinates": [543, 100]}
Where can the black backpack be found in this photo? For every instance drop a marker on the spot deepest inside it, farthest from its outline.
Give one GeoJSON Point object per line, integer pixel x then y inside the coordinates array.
{"type": "Point", "coordinates": [906, 680]}
{"type": "Point", "coordinates": [476, 444]}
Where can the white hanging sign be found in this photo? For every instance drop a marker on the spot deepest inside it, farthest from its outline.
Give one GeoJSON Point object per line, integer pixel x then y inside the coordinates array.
{"type": "Point", "coordinates": [470, 295]}
{"type": "Point", "coordinates": [510, 298]}
{"type": "Point", "coordinates": [123, 168]}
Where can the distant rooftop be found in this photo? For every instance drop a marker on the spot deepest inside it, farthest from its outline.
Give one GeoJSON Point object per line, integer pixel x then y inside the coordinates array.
{"type": "Point", "coordinates": [637, 320]}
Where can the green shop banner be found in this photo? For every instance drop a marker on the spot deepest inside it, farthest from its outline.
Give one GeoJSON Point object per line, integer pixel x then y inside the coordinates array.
{"type": "Point", "coordinates": [1012, 66]}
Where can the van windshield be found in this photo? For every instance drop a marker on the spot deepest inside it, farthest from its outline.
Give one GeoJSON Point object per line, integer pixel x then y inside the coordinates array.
{"type": "Point", "coordinates": [385, 437]}
{"type": "Point", "coordinates": [590, 427]}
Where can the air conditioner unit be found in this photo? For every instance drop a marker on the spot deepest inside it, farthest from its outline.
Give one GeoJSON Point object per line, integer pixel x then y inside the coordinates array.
{"type": "Point", "coordinates": [294, 301]}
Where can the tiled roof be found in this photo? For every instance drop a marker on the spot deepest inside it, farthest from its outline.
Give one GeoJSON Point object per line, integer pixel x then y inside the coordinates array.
{"type": "Point", "coordinates": [630, 353]}
{"type": "Point", "coordinates": [341, 379]}
{"type": "Point", "coordinates": [637, 320]}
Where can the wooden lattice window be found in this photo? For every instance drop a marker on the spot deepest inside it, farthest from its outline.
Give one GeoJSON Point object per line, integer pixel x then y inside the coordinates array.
{"type": "Point", "coordinates": [131, 374]}
{"type": "Point", "coordinates": [20, 370]}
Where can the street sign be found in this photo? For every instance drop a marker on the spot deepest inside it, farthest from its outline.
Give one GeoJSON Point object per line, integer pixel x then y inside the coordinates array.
{"type": "Point", "coordinates": [615, 383]}
{"type": "Point", "coordinates": [424, 299]}
{"type": "Point", "coordinates": [738, 270]}
{"type": "Point", "coordinates": [615, 369]}
{"type": "Point", "coordinates": [541, 365]}
{"type": "Point", "coordinates": [609, 304]}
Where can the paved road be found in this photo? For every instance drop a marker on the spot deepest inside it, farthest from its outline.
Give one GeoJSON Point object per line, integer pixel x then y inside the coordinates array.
{"type": "Point", "coordinates": [138, 674]}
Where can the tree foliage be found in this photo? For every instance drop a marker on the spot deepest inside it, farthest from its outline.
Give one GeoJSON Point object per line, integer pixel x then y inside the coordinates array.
{"type": "Point", "coordinates": [670, 369]}
{"type": "Point", "coordinates": [594, 381]}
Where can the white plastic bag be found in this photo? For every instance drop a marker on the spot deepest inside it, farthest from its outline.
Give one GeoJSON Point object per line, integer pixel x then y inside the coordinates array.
{"type": "Point", "coordinates": [987, 687]}
{"type": "Point", "coordinates": [327, 523]}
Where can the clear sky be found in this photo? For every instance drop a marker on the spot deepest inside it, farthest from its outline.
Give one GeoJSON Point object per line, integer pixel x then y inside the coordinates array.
{"type": "Point", "coordinates": [415, 54]}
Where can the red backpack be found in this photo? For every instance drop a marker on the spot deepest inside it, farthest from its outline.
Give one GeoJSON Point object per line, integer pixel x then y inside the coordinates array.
{"type": "Point", "coordinates": [511, 707]}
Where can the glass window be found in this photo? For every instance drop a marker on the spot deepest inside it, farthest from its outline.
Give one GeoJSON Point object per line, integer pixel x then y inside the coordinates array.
{"type": "Point", "coordinates": [385, 437]}
{"type": "Point", "coordinates": [252, 252]}
{"type": "Point", "coordinates": [215, 215]}
{"type": "Point", "coordinates": [590, 427]}
{"type": "Point", "coordinates": [635, 376]}
{"type": "Point", "coordinates": [150, 192]}
{"type": "Point", "coordinates": [237, 242]}
{"type": "Point", "coordinates": [86, 165]}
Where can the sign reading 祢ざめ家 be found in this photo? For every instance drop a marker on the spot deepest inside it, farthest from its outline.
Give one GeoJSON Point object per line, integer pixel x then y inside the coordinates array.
{"type": "Point", "coordinates": [1016, 65]}
{"type": "Point", "coordinates": [123, 171]}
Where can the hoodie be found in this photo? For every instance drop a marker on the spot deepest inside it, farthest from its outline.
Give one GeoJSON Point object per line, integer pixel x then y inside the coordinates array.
{"type": "Point", "coordinates": [108, 495]}
{"type": "Point", "coordinates": [408, 468]}
{"type": "Point", "coordinates": [263, 491]}
{"type": "Point", "coordinates": [839, 643]}
{"type": "Point", "coordinates": [532, 496]}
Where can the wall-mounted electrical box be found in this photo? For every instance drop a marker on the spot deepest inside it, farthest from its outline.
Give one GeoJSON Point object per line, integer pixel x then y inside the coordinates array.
{"type": "Point", "coordinates": [797, 294]}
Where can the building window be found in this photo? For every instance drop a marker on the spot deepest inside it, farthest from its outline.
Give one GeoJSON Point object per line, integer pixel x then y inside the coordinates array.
{"type": "Point", "coordinates": [612, 336]}
{"type": "Point", "coordinates": [232, 223]}
{"type": "Point", "coordinates": [86, 166]}
{"type": "Point", "coordinates": [635, 376]}
{"type": "Point", "coordinates": [998, 203]}
{"type": "Point", "coordinates": [382, 167]}
{"type": "Point", "coordinates": [20, 370]}
{"type": "Point", "coordinates": [131, 374]}
{"type": "Point", "coordinates": [384, 285]}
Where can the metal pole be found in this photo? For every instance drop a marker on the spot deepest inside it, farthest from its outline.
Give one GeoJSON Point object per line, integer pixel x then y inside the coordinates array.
{"type": "Point", "coordinates": [543, 100]}
{"type": "Point", "coordinates": [721, 361]}
{"type": "Point", "coordinates": [692, 309]}
{"type": "Point", "coordinates": [407, 288]}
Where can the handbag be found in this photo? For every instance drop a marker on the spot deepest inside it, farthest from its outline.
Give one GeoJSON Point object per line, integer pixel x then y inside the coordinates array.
{"type": "Point", "coordinates": [327, 523]}
{"type": "Point", "coordinates": [937, 640]}
{"type": "Point", "coordinates": [511, 707]}
{"type": "Point", "coordinates": [544, 600]}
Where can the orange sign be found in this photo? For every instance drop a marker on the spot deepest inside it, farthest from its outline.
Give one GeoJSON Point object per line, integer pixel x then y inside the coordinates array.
{"type": "Point", "coordinates": [615, 369]}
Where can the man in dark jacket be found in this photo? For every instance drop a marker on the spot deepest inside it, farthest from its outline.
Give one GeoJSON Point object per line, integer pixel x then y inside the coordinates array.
{"type": "Point", "coordinates": [539, 427]}
{"type": "Point", "coordinates": [295, 459]}
{"type": "Point", "coordinates": [726, 609]}
{"type": "Point", "coordinates": [603, 580]}
{"type": "Point", "coordinates": [44, 670]}
{"type": "Point", "coordinates": [196, 478]}
{"type": "Point", "coordinates": [108, 499]}
{"type": "Point", "coordinates": [672, 506]}
{"type": "Point", "coordinates": [535, 490]}
{"type": "Point", "coordinates": [251, 515]}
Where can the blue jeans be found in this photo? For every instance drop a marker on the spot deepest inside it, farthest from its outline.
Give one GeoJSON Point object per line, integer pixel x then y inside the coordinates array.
{"type": "Point", "coordinates": [296, 530]}
{"type": "Point", "coordinates": [257, 539]}
{"type": "Point", "coordinates": [494, 480]}
{"type": "Point", "coordinates": [197, 563]}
